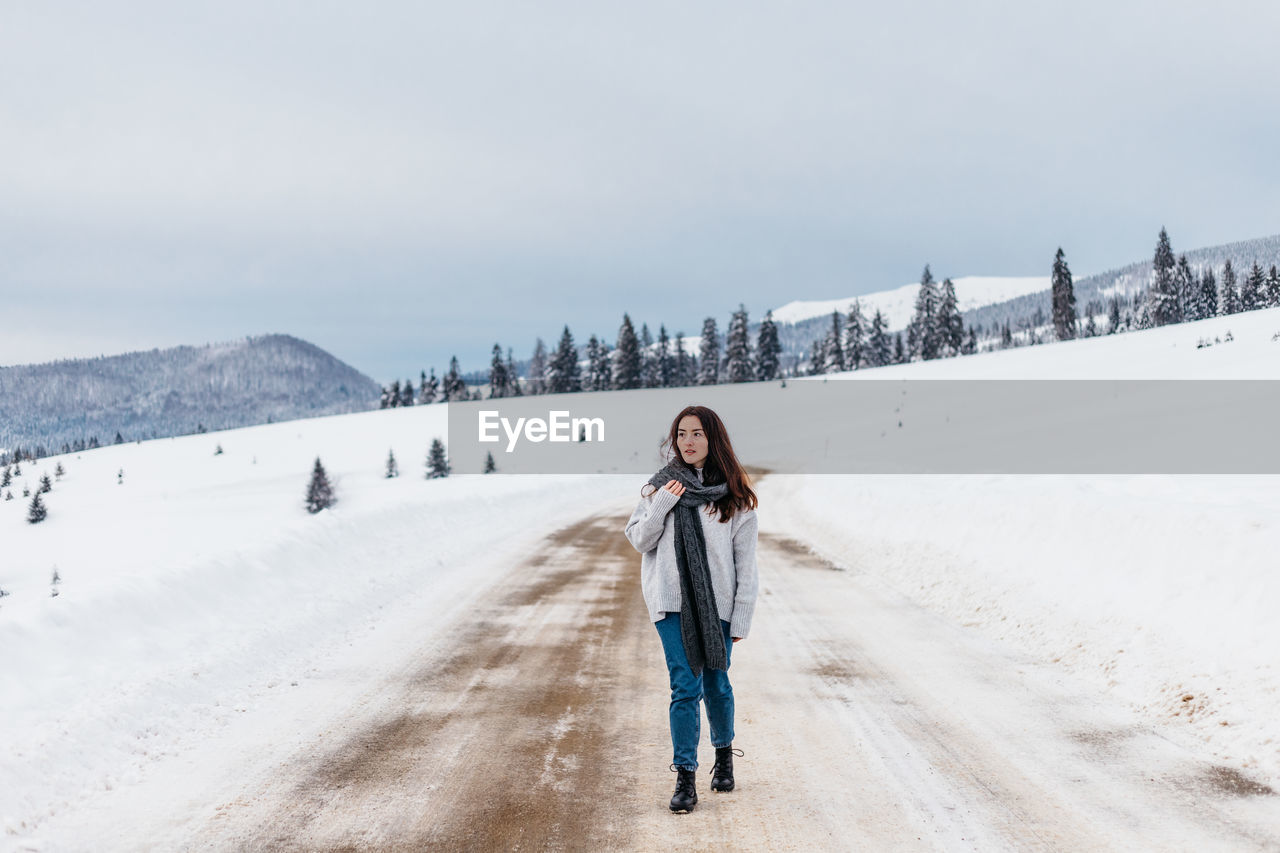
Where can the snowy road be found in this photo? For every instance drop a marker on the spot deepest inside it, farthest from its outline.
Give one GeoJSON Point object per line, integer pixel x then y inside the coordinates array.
{"type": "Point", "coordinates": [538, 722]}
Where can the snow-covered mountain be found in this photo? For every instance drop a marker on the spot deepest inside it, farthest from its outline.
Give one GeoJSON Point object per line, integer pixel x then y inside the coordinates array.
{"type": "Point", "coordinates": [898, 305]}
{"type": "Point", "coordinates": [175, 391]}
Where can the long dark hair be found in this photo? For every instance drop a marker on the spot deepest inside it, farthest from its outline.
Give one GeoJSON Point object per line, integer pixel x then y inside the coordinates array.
{"type": "Point", "coordinates": [721, 465]}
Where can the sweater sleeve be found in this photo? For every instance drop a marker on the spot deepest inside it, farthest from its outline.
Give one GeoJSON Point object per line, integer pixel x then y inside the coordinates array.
{"type": "Point", "coordinates": [744, 561]}
{"type": "Point", "coordinates": [646, 524]}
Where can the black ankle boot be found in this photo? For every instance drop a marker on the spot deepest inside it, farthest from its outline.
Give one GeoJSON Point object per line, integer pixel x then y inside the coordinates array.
{"type": "Point", "coordinates": [722, 772]}
{"type": "Point", "coordinates": [685, 797]}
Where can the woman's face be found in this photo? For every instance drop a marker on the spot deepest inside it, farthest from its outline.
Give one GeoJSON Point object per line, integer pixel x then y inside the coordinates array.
{"type": "Point", "coordinates": [691, 441]}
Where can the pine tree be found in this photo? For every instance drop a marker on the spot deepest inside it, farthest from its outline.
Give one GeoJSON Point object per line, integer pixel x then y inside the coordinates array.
{"type": "Point", "coordinates": [1273, 288]}
{"type": "Point", "coordinates": [437, 460]}
{"type": "Point", "coordinates": [393, 470]}
{"type": "Point", "coordinates": [737, 348]}
{"type": "Point", "coordinates": [685, 368]}
{"type": "Point", "coordinates": [855, 351]}
{"type": "Point", "coordinates": [626, 358]}
{"type": "Point", "coordinates": [564, 376]}
{"type": "Point", "coordinates": [709, 354]}
{"type": "Point", "coordinates": [513, 378]}
{"type": "Point", "coordinates": [648, 359]}
{"type": "Point", "coordinates": [319, 492]}
{"type": "Point", "coordinates": [537, 383]}
{"type": "Point", "coordinates": [498, 379]}
{"type": "Point", "coordinates": [834, 344]}
{"type": "Point", "coordinates": [1006, 336]}
{"type": "Point", "coordinates": [879, 350]}
{"type": "Point", "coordinates": [1184, 282]}
{"type": "Point", "coordinates": [1064, 299]}
{"type": "Point", "coordinates": [455, 389]}
{"type": "Point", "coordinates": [1163, 302]}
{"type": "Point", "coordinates": [950, 324]}
{"type": "Point", "coordinates": [430, 389]}
{"type": "Point", "coordinates": [899, 351]}
{"type": "Point", "coordinates": [1207, 303]}
{"type": "Point", "coordinates": [6, 478]}
{"type": "Point", "coordinates": [818, 357]}
{"type": "Point", "coordinates": [767, 348]}
{"type": "Point", "coordinates": [1228, 297]}
{"type": "Point", "coordinates": [119, 438]}
{"type": "Point", "coordinates": [593, 358]}
{"type": "Point", "coordinates": [666, 361]}
{"type": "Point", "coordinates": [601, 369]}
{"type": "Point", "coordinates": [1251, 290]}
{"type": "Point", "coordinates": [406, 393]}
{"type": "Point", "coordinates": [922, 332]}
{"type": "Point", "coordinates": [393, 396]}
{"type": "Point", "coordinates": [46, 485]}
{"type": "Point", "coordinates": [489, 465]}
{"type": "Point", "coordinates": [37, 512]}
{"type": "Point", "coordinates": [971, 342]}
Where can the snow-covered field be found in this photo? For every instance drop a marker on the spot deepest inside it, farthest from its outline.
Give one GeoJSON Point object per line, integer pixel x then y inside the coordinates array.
{"type": "Point", "coordinates": [198, 594]}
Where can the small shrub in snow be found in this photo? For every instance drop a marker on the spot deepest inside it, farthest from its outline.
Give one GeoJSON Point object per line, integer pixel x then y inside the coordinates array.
{"type": "Point", "coordinates": [120, 477]}
{"type": "Point", "coordinates": [8, 495]}
{"type": "Point", "coordinates": [393, 470]}
{"type": "Point", "coordinates": [37, 512]}
{"type": "Point", "coordinates": [1228, 336]}
{"type": "Point", "coordinates": [57, 578]}
{"type": "Point", "coordinates": [489, 466]}
{"type": "Point", "coordinates": [319, 492]}
{"type": "Point", "coordinates": [46, 485]}
{"type": "Point", "coordinates": [59, 471]}
{"type": "Point", "coordinates": [217, 451]}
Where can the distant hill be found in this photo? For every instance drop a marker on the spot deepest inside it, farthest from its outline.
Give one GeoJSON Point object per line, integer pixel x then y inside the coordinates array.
{"type": "Point", "coordinates": [175, 391]}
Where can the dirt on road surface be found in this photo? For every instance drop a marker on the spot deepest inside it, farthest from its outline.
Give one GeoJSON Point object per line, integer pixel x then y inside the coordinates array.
{"type": "Point", "coordinates": [867, 723]}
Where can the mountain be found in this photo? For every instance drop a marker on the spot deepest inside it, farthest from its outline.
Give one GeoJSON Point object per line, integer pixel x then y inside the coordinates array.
{"type": "Point", "coordinates": [175, 391]}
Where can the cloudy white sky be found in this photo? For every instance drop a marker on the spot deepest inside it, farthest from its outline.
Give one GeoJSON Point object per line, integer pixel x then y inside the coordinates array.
{"type": "Point", "coordinates": [400, 182]}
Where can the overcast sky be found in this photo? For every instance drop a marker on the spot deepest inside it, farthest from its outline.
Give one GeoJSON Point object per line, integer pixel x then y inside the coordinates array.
{"type": "Point", "coordinates": [400, 182]}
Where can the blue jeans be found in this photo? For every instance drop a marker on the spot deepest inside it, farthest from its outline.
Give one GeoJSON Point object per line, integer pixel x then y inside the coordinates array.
{"type": "Point", "coordinates": [687, 690]}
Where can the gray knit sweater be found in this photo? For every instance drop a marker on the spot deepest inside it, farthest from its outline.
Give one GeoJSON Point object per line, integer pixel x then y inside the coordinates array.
{"type": "Point", "coordinates": [731, 556]}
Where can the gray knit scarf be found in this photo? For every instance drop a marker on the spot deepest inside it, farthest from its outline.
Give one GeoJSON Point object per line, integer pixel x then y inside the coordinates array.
{"type": "Point", "coordinates": [699, 620]}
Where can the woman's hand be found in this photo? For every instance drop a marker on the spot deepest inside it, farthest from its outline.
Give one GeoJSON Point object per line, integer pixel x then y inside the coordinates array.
{"type": "Point", "coordinates": [675, 487]}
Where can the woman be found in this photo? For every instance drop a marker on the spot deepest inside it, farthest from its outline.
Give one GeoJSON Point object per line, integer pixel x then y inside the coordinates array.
{"type": "Point", "coordinates": [698, 574]}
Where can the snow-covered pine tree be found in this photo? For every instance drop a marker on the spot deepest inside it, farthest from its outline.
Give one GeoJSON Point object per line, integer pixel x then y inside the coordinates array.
{"type": "Point", "coordinates": [1184, 283]}
{"type": "Point", "coordinates": [602, 367]}
{"type": "Point", "coordinates": [922, 332]}
{"type": "Point", "coordinates": [684, 364]}
{"type": "Point", "coordinates": [406, 393]}
{"type": "Point", "coordinates": [648, 359]}
{"type": "Point", "coordinates": [737, 348]}
{"type": "Point", "coordinates": [818, 356]}
{"type": "Point", "coordinates": [46, 485]}
{"type": "Point", "coordinates": [1064, 299]}
{"type": "Point", "coordinates": [537, 382]}
{"type": "Point", "coordinates": [6, 478]}
{"type": "Point", "coordinates": [319, 491]}
{"type": "Point", "coordinates": [879, 350]}
{"type": "Point", "coordinates": [37, 512]}
{"type": "Point", "coordinates": [454, 388]}
{"type": "Point", "coordinates": [626, 358]}
{"type": "Point", "coordinates": [393, 470]}
{"type": "Point", "coordinates": [1251, 289]}
{"type": "Point", "coordinates": [498, 381]}
{"type": "Point", "coordinates": [489, 465]}
{"type": "Point", "coordinates": [430, 389]}
{"type": "Point", "coordinates": [666, 361]}
{"type": "Point", "coordinates": [949, 323]}
{"type": "Point", "coordinates": [437, 460]}
{"type": "Point", "coordinates": [1163, 302]}
{"type": "Point", "coordinates": [899, 351]}
{"type": "Point", "coordinates": [393, 396]}
{"type": "Point", "coordinates": [565, 376]}
{"type": "Point", "coordinates": [8, 494]}
{"type": "Point", "coordinates": [970, 345]}
{"type": "Point", "coordinates": [119, 438]}
{"type": "Point", "coordinates": [1273, 287]}
{"type": "Point", "coordinates": [384, 401]}
{"type": "Point", "coordinates": [593, 358]}
{"type": "Point", "coordinates": [833, 346]}
{"type": "Point", "coordinates": [709, 353]}
{"type": "Point", "coordinates": [513, 378]}
{"type": "Point", "coordinates": [855, 334]}
{"type": "Point", "coordinates": [767, 349]}
{"type": "Point", "coordinates": [1228, 295]}
{"type": "Point", "coordinates": [1207, 302]}
{"type": "Point", "coordinates": [1006, 336]}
